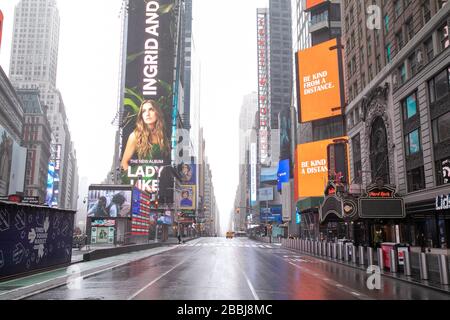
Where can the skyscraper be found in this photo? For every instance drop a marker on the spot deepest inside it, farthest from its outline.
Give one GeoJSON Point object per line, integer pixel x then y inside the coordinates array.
{"type": "Point", "coordinates": [34, 63]}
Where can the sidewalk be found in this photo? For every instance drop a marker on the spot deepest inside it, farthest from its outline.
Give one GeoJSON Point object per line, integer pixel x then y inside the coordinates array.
{"type": "Point", "coordinates": [23, 287]}
{"type": "Point", "coordinates": [398, 276]}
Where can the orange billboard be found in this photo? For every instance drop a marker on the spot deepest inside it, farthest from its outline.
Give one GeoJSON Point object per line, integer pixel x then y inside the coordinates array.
{"type": "Point", "coordinates": [311, 171]}
{"type": "Point", "coordinates": [319, 82]}
{"type": "Point", "coordinates": [312, 3]}
{"type": "Point", "coordinates": [1, 27]}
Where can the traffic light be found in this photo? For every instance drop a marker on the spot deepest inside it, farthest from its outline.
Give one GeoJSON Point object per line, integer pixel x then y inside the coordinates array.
{"type": "Point", "coordinates": [238, 210]}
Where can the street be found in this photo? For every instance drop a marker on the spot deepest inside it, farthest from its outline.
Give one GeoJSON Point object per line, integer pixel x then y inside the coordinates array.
{"type": "Point", "coordinates": [237, 269]}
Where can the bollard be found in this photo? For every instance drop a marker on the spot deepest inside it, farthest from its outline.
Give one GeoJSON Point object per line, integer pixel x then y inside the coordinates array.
{"type": "Point", "coordinates": [361, 255]}
{"type": "Point", "coordinates": [298, 244]}
{"type": "Point", "coordinates": [334, 250]}
{"type": "Point", "coordinates": [423, 266]}
{"type": "Point", "coordinates": [319, 247]}
{"type": "Point", "coordinates": [346, 253]}
{"type": "Point", "coordinates": [443, 269]}
{"type": "Point", "coordinates": [394, 261]}
{"type": "Point", "coordinates": [354, 254]}
{"type": "Point", "coordinates": [329, 250]}
{"type": "Point", "coordinates": [301, 245]}
{"type": "Point", "coordinates": [407, 263]}
{"type": "Point", "coordinates": [380, 259]}
{"type": "Point", "coordinates": [370, 256]}
{"type": "Point", "coordinates": [324, 249]}
{"type": "Point", "coordinates": [340, 257]}
{"type": "Point", "coordinates": [316, 248]}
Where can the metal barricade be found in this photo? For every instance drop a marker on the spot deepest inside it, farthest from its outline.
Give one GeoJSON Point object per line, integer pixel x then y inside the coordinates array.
{"type": "Point", "coordinates": [370, 256]}
{"type": "Point", "coordinates": [354, 254]}
{"type": "Point", "coordinates": [320, 249]}
{"type": "Point", "coordinates": [393, 261]}
{"type": "Point", "coordinates": [380, 259]}
{"type": "Point", "coordinates": [361, 255]}
{"type": "Point", "coordinates": [407, 263]}
{"type": "Point", "coordinates": [324, 249]}
{"type": "Point", "coordinates": [443, 269]}
{"type": "Point", "coordinates": [329, 250]}
{"type": "Point", "coordinates": [334, 250]}
{"type": "Point", "coordinates": [346, 253]}
{"type": "Point", "coordinates": [423, 268]}
{"type": "Point", "coordinates": [340, 257]}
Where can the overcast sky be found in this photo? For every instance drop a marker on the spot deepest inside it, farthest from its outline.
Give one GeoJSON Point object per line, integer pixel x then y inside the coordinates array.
{"type": "Point", "coordinates": [225, 35]}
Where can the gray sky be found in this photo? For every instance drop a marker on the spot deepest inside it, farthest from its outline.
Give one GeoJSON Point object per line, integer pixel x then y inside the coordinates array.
{"type": "Point", "coordinates": [88, 65]}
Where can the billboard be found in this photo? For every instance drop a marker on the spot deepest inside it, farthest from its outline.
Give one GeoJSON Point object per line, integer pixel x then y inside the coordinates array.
{"type": "Point", "coordinates": [109, 203]}
{"type": "Point", "coordinates": [271, 214]}
{"type": "Point", "coordinates": [141, 217]}
{"type": "Point", "coordinates": [312, 168]}
{"type": "Point", "coordinates": [312, 3]}
{"type": "Point", "coordinates": [253, 155]}
{"type": "Point", "coordinates": [266, 194]}
{"type": "Point", "coordinates": [319, 84]}
{"type": "Point", "coordinates": [186, 197]}
{"type": "Point", "coordinates": [50, 182]}
{"type": "Point", "coordinates": [148, 97]}
{"type": "Point", "coordinates": [285, 133]}
{"type": "Point", "coordinates": [263, 86]}
{"type": "Point", "coordinates": [1, 27]}
{"type": "Point", "coordinates": [12, 164]}
{"type": "Point", "coordinates": [269, 174]}
{"type": "Point", "coordinates": [283, 173]}
{"type": "Point", "coordinates": [187, 172]}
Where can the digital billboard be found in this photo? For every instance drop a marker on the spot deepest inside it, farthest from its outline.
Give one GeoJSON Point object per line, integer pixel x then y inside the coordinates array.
{"type": "Point", "coordinates": [266, 194]}
{"type": "Point", "coordinates": [312, 168]}
{"type": "Point", "coordinates": [263, 86]}
{"type": "Point", "coordinates": [283, 173]}
{"type": "Point", "coordinates": [285, 133]}
{"type": "Point", "coordinates": [312, 3]}
{"type": "Point", "coordinates": [319, 84]}
{"type": "Point", "coordinates": [109, 203]}
{"type": "Point", "coordinates": [253, 160]}
{"type": "Point", "coordinates": [187, 172]}
{"type": "Point", "coordinates": [1, 27]}
{"type": "Point", "coordinates": [186, 197]}
{"type": "Point", "coordinates": [50, 182]}
{"type": "Point", "coordinates": [141, 217]}
{"type": "Point", "coordinates": [148, 97]}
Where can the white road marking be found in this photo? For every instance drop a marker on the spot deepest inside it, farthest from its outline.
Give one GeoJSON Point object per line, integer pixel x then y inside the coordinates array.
{"type": "Point", "coordinates": [339, 285]}
{"type": "Point", "coordinates": [252, 289]}
{"type": "Point", "coordinates": [355, 293]}
{"type": "Point", "coordinates": [157, 279]}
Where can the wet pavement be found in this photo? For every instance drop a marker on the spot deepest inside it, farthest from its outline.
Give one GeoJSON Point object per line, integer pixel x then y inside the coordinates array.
{"type": "Point", "coordinates": [237, 269]}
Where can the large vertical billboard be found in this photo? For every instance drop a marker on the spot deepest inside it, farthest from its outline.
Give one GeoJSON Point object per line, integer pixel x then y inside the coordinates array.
{"type": "Point", "coordinates": [148, 100]}
{"type": "Point", "coordinates": [285, 134]}
{"type": "Point", "coordinates": [312, 173]}
{"type": "Point", "coordinates": [253, 159]}
{"type": "Point", "coordinates": [263, 87]}
{"type": "Point", "coordinates": [1, 27]}
{"type": "Point", "coordinates": [319, 84]}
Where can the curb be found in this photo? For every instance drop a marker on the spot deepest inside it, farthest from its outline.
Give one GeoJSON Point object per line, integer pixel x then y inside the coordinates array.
{"type": "Point", "coordinates": [383, 273]}
{"type": "Point", "coordinates": [25, 292]}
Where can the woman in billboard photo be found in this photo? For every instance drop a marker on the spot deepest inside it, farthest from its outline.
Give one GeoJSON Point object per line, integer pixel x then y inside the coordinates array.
{"type": "Point", "coordinates": [148, 140]}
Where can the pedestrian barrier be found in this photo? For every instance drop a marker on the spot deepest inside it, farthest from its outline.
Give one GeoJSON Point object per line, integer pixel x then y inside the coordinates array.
{"type": "Point", "coordinates": [423, 268]}
{"type": "Point", "coordinates": [393, 261]}
{"type": "Point", "coordinates": [407, 263]}
{"type": "Point", "coordinates": [361, 255]}
{"type": "Point", "coordinates": [324, 249]}
{"type": "Point", "coordinates": [329, 250]}
{"type": "Point", "coordinates": [443, 269]}
{"type": "Point", "coordinates": [354, 254]}
{"type": "Point", "coordinates": [369, 256]}
{"type": "Point", "coordinates": [380, 258]}
{"type": "Point", "coordinates": [340, 253]}
{"type": "Point", "coordinates": [346, 253]}
{"type": "Point", "coordinates": [320, 248]}
{"type": "Point", "coordinates": [334, 250]}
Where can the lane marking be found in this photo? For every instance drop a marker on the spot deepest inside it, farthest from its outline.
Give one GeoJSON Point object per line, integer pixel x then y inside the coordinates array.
{"type": "Point", "coordinates": [355, 293]}
{"type": "Point", "coordinates": [157, 279]}
{"type": "Point", "coordinates": [252, 289]}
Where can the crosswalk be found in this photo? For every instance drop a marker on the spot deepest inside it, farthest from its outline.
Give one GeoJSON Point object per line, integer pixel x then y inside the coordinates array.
{"type": "Point", "coordinates": [230, 245]}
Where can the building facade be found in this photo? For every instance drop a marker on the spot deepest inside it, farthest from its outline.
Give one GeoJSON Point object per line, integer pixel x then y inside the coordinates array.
{"type": "Point", "coordinates": [397, 84]}
{"type": "Point", "coordinates": [33, 65]}
{"type": "Point", "coordinates": [37, 140]}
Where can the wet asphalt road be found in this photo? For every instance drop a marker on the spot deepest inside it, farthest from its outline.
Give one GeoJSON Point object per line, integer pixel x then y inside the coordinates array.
{"type": "Point", "coordinates": [237, 269]}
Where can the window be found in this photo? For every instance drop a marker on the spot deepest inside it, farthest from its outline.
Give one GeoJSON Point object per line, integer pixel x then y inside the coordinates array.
{"type": "Point", "coordinates": [443, 36]}
{"type": "Point", "coordinates": [416, 179]}
{"type": "Point", "coordinates": [410, 106]}
{"type": "Point", "coordinates": [398, 8]}
{"type": "Point", "coordinates": [409, 29]}
{"type": "Point", "coordinates": [413, 64]}
{"type": "Point", "coordinates": [388, 52]}
{"type": "Point", "coordinates": [412, 143]}
{"type": "Point", "coordinates": [429, 49]}
{"type": "Point", "coordinates": [442, 171]}
{"type": "Point", "coordinates": [399, 40]}
{"type": "Point", "coordinates": [357, 165]}
{"type": "Point", "coordinates": [426, 12]}
{"type": "Point", "coordinates": [402, 73]}
{"type": "Point", "coordinates": [386, 23]}
{"type": "Point", "coordinates": [439, 86]}
{"type": "Point", "coordinates": [441, 128]}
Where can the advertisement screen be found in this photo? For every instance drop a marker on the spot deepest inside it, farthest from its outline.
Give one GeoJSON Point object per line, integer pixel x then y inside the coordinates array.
{"type": "Point", "coordinates": [253, 160]}
{"type": "Point", "coordinates": [266, 194]}
{"type": "Point", "coordinates": [319, 84]}
{"type": "Point", "coordinates": [187, 172]}
{"type": "Point", "coordinates": [312, 168]}
{"type": "Point", "coordinates": [109, 203]}
{"type": "Point", "coordinates": [186, 197]}
{"type": "Point", "coordinates": [271, 214]}
{"type": "Point", "coordinates": [148, 100]}
{"type": "Point", "coordinates": [141, 217]}
{"type": "Point", "coordinates": [1, 27]}
{"type": "Point", "coordinates": [285, 133]}
{"type": "Point", "coordinates": [50, 181]}
{"type": "Point", "coordinates": [312, 3]}
{"type": "Point", "coordinates": [283, 173]}
{"type": "Point", "coordinates": [269, 174]}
